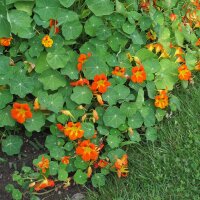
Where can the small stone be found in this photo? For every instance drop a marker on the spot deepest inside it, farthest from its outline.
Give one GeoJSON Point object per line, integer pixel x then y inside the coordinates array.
{"type": "Point", "coordinates": [78, 196]}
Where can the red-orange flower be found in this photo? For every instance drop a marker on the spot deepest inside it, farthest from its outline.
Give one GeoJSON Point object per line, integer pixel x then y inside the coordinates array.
{"type": "Point", "coordinates": [5, 41]}
{"type": "Point", "coordinates": [172, 17]}
{"type": "Point", "coordinates": [43, 164]}
{"type": "Point", "coordinates": [180, 59]}
{"type": "Point", "coordinates": [119, 71]}
{"type": "Point", "coordinates": [184, 73]}
{"type": "Point", "coordinates": [53, 23]}
{"type": "Point", "coordinates": [102, 163]}
{"type": "Point", "coordinates": [73, 130]}
{"type": "Point", "coordinates": [197, 42]}
{"type": "Point", "coordinates": [138, 74]}
{"type": "Point", "coordinates": [81, 60]}
{"type": "Point", "coordinates": [87, 150]}
{"type": "Point", "coordinates": [21, 112]}
{"type": "Point", "coordinates": [161, 100]}
{"type": "Point", "coordinates": [100, 83]}
{"type": "Point", "coordinates": [65, 160]}
{"type": "Point", "coordinates": [60, 127]}
{"type": "Point", "coordinates": [44, 184]}
{"type": "Point", "coordinates": [80, 82]}
{"type": "Point", "coordinates": [121, 166]}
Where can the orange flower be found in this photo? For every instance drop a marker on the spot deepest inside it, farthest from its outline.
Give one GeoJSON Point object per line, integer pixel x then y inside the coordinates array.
{"type": "Point", "coordinates": [158, 47]}
{"type": "Point", "coordinates": [197, 42]}
{"type": "Point", "coordinates": [5, 41]}
{"type": "Point", "coordinates": [65, 160]}
{"type": "Point", "coordinates": [60, 127]}
{"type": "Point", "coordinates": [151, 35]}
{"type": "Point", "coordinates": [43, 164]}
{"type": "Point", "coordinates": [36, 105]}
{"type": "Point", "coordinates": [73, 130]}
{"type": "Point", "coordinates": [180, 59]}
{"type": "Point", "coordinates": [80, 82]}
{"type": "Point", "coordinates": [100, 83]}
{"type": "Point", "coordinates": [173, 17]}
{"type": "Point", "coordinates": [121, 166]}
{"type": "Point", "coordinates": [87, 150]}
{"type": "Point", "coordinates": [161, 100]}
{"type": "Point", "coordinates": [99, 99]}
{"type": "Point", "coordinates": [145, 4]}
{"type": "Point", "coordinates": [150, 47]}
{"type": "Point", "coordinates": [184, 73]}
{"type": "Point", "coordinates": [44, 184]}
{"type": "Point", "coordinates": [47, 41]}
{"type": "Point", "coordinates": [119, 71]}
{"type": "Point", "coordinates": [21, 112]}
{"type": "Point", "coordinates": [138, 74]}
{"type": "Point", "coordinates": [102, 163]}
{"type": "Point", "coordinates": [54, 23]}
{"type": "Point", "coordinates": [81, 60]}
{"type": "Point", "coordinates": [179, 51]}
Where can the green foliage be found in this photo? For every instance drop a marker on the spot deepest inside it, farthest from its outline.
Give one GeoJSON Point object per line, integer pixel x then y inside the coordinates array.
{"type": "Point", "coordinates": [106, 68]}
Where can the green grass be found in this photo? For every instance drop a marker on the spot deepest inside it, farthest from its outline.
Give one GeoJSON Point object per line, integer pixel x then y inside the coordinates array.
{"type": "Point", "coordinates": [168, 169]}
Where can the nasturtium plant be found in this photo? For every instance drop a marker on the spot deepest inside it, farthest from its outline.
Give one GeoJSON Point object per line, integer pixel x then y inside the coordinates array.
{"type": "Point", "coordinates": [95, 77]}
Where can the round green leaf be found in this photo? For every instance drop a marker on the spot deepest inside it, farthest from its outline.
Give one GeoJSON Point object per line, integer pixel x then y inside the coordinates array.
{"type": "Point", "coordinates": [151, 134]}
{"type": "Point", "coordinates": [80, 164]}
{"type": "Point", "coordinates": [80, 177]}
{"type": "Point", "coordinates": [67, 3]}
{"type": "Point", "coordinates": [88, 129]}
{"type": "Point", "coordinates": [36, 122]}
{"type": "Point", "coordinates": [128, 108]}
{"type": "Point", "coordinates": [62, 175]}
{"type": "Point", "coordinates": [93, 66]}
{"type": "Point", "coordinates": [98, 180]}
{"type": "Point", "coordinates": [12, 145]}
{"type": "Point", "coordinates": [52, 79]}
{"type": "Point", "coordinates": [113, 117]}
{"type": "Point", "coordinates": [53, 168]}
{"type": "Point", "coordinates": [101, 7]}
{"type": "Point", "coordinates": [57, 59]}
{"type": "Point", "coordinates": [81, 95]}
{"type": "Point", "coordinates": [71, 30]}
{"type": "Point", "coordinates": [113, 141]}
{"type": "Point", "coordinates": [57, 152]}
{"type": "Point", "coordinates": [5, 117]}
{"type": "Point", "coordinates": [5, 97]}
{"type": "Point", "coordinates": [135, 121]}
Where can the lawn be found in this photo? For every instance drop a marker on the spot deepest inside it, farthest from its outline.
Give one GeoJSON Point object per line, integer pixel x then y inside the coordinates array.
{"type": "Point", "coordinates": [168, 169]}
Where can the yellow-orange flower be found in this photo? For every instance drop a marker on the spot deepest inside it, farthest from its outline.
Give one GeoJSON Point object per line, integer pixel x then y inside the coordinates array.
{"type": "Point", "coordinates": [158, 47]}
{"type": "Point", "coordinates": [184, 73]}
{"type": "Point", "coordinates": [151, 35]}
{"type": "Point", "coordinates": [21, 112]}
{"type": "Point", "coordinates": [73, 130]}
{"type": "Point", "coordinates": [121, 166]}
{"type": "Point", "coordinates": [5, 41]}
{"type": "Point", "coordinates": [161, 100]}
{"type": "Point", "coordinates": [150, 47]}
{"type": "Point", "coordinates": [138, 74]}
{"type": "Point", "coordinates": [87, 150]}
{"type": "Point", "coordinates": [36, 105]}
{"type": "Point", "coordinates": [47, 41]}
{"type": "Point", "coordinates": [43, 164]}
{"type": "Point", "coordinates": [197, 66]}
{"type": "Point", "coordinates": [65, 160]}
{"type": "Point", "coordinates": [100, 83]}
{"type": "Point", "coordinates": [119, 71]}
